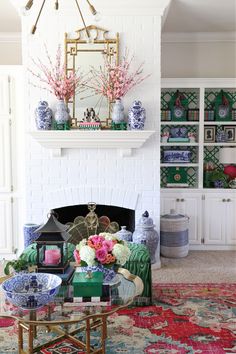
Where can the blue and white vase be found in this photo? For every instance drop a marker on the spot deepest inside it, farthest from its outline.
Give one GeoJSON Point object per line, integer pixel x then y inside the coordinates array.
{"type": "Point", "coordinates": [29, 235]}
{"type": "Point", "coordinates": [62, 112]}
{"type": "Point", "coordinates": [136, 116]}
{"type": "Point", "coordinates": [118, 115]}
{"type": "Point", "coordinates": [43, 116]}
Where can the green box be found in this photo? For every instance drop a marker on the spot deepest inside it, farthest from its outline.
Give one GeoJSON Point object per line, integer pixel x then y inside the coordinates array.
{"type": "Point", "coordinates": [87, 287]}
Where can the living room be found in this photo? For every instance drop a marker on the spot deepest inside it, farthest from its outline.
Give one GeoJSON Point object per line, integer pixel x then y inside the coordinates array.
{"type": "Point", "coordinates": [184, 55]}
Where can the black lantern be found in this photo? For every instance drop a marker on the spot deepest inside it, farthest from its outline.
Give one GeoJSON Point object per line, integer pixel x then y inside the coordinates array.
{"type": "Point", "coordinates": [52, 251]}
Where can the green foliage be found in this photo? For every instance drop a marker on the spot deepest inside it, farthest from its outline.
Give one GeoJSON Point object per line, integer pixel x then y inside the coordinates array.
{"type": "Point", "coordinates": [17, 264]}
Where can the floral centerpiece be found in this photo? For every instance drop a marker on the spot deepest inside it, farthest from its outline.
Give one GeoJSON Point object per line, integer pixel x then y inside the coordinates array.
{"type": "Point", "coordinates": [102, 252]}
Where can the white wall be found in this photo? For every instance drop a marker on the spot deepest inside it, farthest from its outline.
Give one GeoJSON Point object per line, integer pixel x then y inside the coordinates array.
{"type": "Point", "coordinates": [10, 53]}
{"type": "Point", "coordinates": [139, 28]}
{"type": "Point", "coordinates": [198, 59]}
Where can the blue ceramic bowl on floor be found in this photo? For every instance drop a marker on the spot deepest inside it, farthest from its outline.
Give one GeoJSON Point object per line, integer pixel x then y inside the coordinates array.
{"type": "Point", "coordinates": [30, 291]}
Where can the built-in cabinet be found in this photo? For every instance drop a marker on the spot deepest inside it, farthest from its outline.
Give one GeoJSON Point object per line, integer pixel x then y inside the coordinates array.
{"type": "Point", "coordinates": [203, 132]}
{"type": "Point", "coordinates": [212, 216]}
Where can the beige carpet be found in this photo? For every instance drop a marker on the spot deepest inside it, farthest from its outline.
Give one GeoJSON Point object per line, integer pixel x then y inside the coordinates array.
{"type": "Point", "coordinates": [198, 267]}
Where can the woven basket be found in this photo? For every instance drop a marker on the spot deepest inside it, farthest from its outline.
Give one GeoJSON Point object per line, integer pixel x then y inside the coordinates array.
{"type": "Point", "coordinates": [174, 241]}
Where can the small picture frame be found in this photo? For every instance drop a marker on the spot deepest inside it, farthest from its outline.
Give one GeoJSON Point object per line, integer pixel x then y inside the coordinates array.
{"type": "Point", "coordinates": [230, 133]}
{"type": "Point", "coordinates": [209, 134]}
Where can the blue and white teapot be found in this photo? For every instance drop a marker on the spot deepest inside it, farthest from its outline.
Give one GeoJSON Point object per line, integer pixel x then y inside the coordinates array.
{"type": "Point", "coordinates": [136, 116]}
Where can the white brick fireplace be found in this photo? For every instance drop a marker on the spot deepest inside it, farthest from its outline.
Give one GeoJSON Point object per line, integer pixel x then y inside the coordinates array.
{"type": "Point", "coordinates": [87, 174]}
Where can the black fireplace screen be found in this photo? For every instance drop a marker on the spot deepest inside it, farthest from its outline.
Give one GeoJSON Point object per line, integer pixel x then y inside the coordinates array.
{"type": "Point", "coordinates": [123, 216]}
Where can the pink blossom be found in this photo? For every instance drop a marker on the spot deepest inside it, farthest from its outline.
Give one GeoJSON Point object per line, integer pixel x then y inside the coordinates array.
{"type": "Point", "coordinates": [101, 254]}
{"type": "Point", "coordinates": [115, 80]}
{"type": "Point", "coordinates": [63, 85]}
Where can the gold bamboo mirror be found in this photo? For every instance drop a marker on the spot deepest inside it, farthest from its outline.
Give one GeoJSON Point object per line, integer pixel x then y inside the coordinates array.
{"type": "Point", "coordinates": [83, 54]}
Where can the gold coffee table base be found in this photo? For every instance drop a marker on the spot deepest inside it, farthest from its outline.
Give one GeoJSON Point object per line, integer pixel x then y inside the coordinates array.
{"type": "Point", "coordinates": [91, 323]}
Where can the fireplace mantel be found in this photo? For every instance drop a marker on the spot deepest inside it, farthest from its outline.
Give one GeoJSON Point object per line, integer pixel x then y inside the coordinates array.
{"type": "Point", "coordinates": [123, 141]}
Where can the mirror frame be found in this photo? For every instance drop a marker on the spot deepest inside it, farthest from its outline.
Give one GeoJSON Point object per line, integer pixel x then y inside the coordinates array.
{"type": "Point", "coordinates": [75, 45]}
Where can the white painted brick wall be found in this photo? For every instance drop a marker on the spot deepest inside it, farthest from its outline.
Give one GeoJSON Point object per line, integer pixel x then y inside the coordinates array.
{"type": "Point", "coordinates": [85, 175]}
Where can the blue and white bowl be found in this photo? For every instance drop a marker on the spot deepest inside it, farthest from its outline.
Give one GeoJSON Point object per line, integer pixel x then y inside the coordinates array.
{"type": "Point", "coordinates": [31, 291]}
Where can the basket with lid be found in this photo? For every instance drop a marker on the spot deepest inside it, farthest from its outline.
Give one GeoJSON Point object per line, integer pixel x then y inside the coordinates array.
{"type": "Point", "coordinates": [174, 241]}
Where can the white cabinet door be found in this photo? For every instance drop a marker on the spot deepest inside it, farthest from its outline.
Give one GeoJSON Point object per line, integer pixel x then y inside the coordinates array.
{"type": "Point", "coordinates": [186, 204]}
{"type": "Point", "coordinates": [6, 225]}
{"type": "Point", "coordinates": [214, 225]}
{"type": "Point", "coordinates": [5, 156]}
{"type": "Point", "coordinates": [231, 220]}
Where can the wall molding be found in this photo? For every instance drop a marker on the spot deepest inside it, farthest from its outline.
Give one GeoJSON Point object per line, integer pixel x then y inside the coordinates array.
{"type": "Point", "coordinates": [197, 37]}
{"type": "Point", "coordinates": [10, 37]}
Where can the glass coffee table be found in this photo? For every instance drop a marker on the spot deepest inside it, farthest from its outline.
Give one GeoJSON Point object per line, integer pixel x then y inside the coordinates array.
{"type": "Point", "coordinates": [67, 319]}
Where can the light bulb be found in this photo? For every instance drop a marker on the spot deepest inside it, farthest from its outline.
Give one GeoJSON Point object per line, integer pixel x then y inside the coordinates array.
{"type": "Point", "coordinates": [24, 11]}
{"type": "Point", "coordinates": [98, 16]}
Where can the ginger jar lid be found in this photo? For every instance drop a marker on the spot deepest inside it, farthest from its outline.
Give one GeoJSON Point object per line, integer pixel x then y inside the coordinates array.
{"type": "Point", "coordinates": [145, 221]}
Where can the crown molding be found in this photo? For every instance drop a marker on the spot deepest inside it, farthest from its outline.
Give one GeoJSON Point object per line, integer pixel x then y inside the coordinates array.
{"type": "Point", "coordinates": [198, 37]}
{"type": "Point", "coordinates": [10, 37]}
{"type": "Point", "coordinates": [116, 8]}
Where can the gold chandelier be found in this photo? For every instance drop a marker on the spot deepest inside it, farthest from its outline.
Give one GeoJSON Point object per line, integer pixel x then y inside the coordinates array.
{"type": "Point", "coordinates": [30, 3]}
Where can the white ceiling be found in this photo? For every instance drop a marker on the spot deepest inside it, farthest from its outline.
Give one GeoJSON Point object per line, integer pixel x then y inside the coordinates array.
{"type": "Point", "coordinates": [201, 16]}
{"type": "Point", "coordinates": [183, 16]}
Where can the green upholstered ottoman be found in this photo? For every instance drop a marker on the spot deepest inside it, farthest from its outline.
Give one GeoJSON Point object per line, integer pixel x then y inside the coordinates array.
{"type": "Point", "coordinates": [139, 264]}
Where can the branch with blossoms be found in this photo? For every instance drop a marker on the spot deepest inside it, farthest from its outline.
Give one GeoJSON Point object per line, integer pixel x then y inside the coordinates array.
{"type": "Point", "coordinates": [115, 80]}
{"type": "Point", "coordinates": [55, 79]}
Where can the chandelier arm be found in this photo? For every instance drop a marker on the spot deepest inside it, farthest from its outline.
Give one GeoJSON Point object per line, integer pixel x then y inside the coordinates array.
{"type": "Point", "coordinates": [36, 22]}
{"type": "Point", "coordinates": [92, 8]}
{"type": "Point", "coordinates": [81, 15]}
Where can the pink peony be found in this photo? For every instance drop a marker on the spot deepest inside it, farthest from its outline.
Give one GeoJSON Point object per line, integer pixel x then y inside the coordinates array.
{"type": "Point", "coordinates": [77, 256]}
{"type": "Point", "coordinates": [96, 239]}
{"type": "Point", "coordinates": [108, 244]}
{"type": "Point", "coordinates": [101, 254]}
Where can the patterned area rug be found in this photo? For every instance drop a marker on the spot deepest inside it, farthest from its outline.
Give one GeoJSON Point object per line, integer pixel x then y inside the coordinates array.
{"type": "Point", "coordinates": [185, 319]}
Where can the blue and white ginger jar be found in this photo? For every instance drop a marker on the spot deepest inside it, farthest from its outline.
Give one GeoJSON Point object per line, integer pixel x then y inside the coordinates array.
{"type": "Point", "coordinates": [43, 116]}
{"type": "Point", "coordinates": [62, 112]}
{"type": "Point", "coordinates": [124, 234]}
{"type": "Point", "coordinates": [146, 234]}
{"type": "Point", "coordinates": [137, 116]}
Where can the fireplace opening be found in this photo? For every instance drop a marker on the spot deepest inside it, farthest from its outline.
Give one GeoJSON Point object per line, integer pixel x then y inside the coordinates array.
{"type": "Point", "coordinates": [123, 216]}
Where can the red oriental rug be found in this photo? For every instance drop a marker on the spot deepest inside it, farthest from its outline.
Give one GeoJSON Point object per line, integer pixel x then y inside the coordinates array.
{"type": "Point", "coordinates": [184, 319]}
